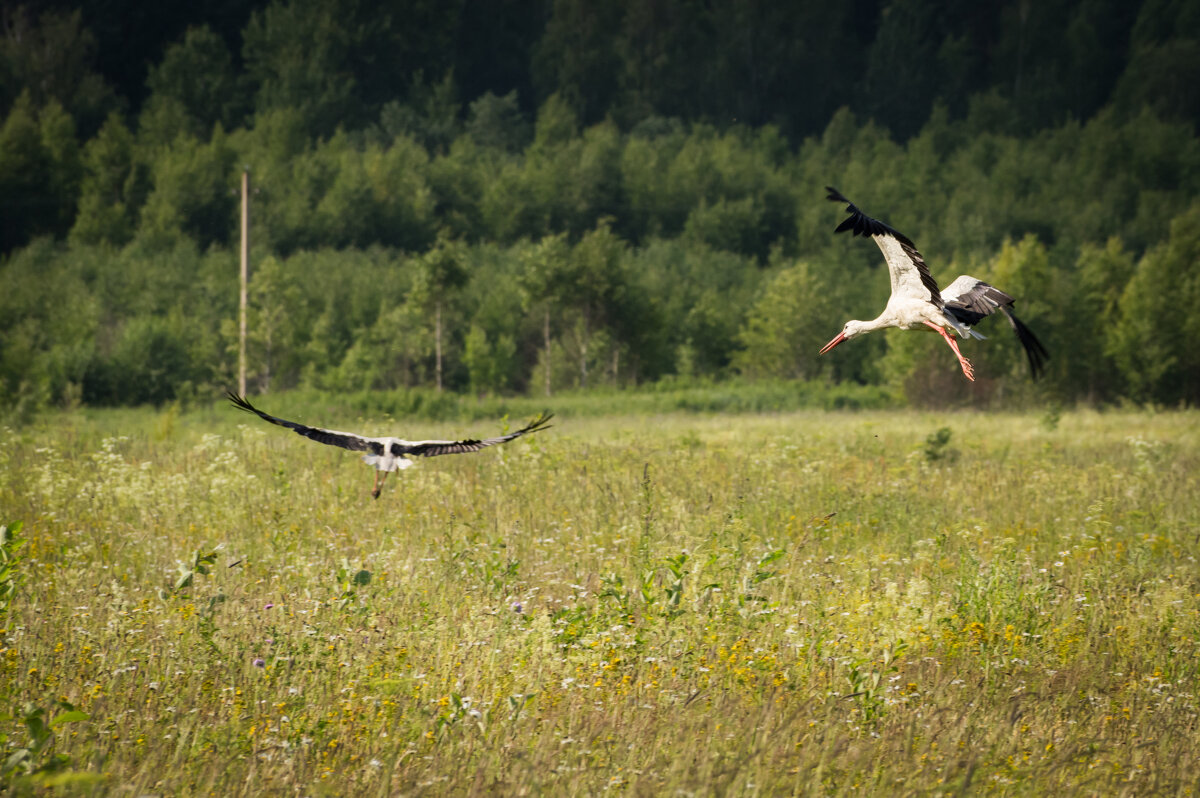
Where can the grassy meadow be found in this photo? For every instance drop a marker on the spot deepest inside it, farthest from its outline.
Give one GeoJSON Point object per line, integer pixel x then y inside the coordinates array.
{"type": "Point", "coordinates": [806, 603]}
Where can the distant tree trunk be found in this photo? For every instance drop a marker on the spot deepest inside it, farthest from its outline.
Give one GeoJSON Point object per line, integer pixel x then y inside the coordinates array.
{"type": "Point", "coordinates": [437, 343]}
{"type": "Point", "coordinates": [583, 352]}
{"type": "Point", "coordinates": [266, 379]}
{"type": "Point", "coordinates": [546, 335]}
{"type": "Point", "coordinates": [616, 364]}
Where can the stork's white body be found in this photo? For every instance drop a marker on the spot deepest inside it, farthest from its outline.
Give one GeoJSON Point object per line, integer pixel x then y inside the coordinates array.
{"type": "Point", "coordinates": [388, 461]}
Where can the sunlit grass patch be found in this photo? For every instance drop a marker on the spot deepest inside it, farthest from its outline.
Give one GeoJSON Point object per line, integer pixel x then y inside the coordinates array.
{"type": "Point", "coordinates": [769, 603]}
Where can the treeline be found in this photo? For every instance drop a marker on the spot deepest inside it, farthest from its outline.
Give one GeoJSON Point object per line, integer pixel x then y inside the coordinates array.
{"type": "Point", "coordinates": [340, 63]}
{"type": "Point", "coordinates": [604, 236]}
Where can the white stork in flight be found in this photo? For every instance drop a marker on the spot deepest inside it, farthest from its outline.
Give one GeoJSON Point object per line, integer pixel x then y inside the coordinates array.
{"type": "Point", "coordinates": [916, 300]}
{"type": "Point", "coordinates": [389, 454]}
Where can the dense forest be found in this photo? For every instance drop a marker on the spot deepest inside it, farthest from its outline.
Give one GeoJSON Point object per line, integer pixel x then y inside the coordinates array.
{"type": "Point", "coordinates": [497, 196]}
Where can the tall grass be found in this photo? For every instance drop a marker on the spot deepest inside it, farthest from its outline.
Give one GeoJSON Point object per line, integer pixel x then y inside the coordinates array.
{"type": "Point", "coordinates": [805, 602]}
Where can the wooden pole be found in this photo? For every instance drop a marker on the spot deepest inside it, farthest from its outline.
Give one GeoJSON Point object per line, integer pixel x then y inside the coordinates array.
{"type": "Point", "coordinates": [546, 335]}
{"type": "Point", "coordinates": [244, 281]}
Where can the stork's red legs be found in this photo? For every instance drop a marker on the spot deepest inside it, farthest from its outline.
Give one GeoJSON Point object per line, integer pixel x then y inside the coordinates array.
{"type": "Point", "coordinates": [967, 369]}
{"type": "Point", "coordinates": [380, 476]}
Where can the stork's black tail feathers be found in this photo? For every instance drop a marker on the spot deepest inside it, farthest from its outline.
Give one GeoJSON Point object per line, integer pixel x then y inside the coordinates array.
{"type": "Point", "coordinates": [1034, 350]}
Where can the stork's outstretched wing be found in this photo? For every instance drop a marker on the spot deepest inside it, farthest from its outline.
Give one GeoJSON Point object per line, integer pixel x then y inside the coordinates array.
{"type": "Point", "coordinates": [346, 440]}
{"type": "Point", "coordinates": [968, 300]}
{"type": "Point", "coordinates": [399, 448]}
{"type": "Point", "coordinates": [910, 276]}
{"type": "Point", "coordinates": [435, 448]}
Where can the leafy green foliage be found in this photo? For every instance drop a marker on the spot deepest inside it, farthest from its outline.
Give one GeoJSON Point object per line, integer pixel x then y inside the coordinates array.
{"type": "Point", "coordinates": [937, 447]}
{"type": "Point", "coordinates": [497, 123]}
{"type": "Point", "coordinates": [113, 187]}
{"type": "Point", "coordinates": [34, 764]}
{"type": "Point", "coordinates": [489, 363]}
{"type": "Point", "coordinates": [198, 74]}
{"type": "Point", "coordinates": [39, 172]}
{"type": "Point", "coordinates": [53, 56]}
{"type": "Point", "coordinates": [199, 563]}
{"type": "Point", "coordinates": [865, 679]}
{"type": "Point", "coordinates": [629, 194]}
{"type": "Point", "coordinates": [1152, 338]}
{"type": "Point", "coordinates": [349, 580]}
{"type": "Point", "coordinates": [11, 575]}
{"type": "Point", "coordinates": [783, 325]}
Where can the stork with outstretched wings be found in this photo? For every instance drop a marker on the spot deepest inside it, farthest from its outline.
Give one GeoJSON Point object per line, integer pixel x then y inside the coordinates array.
{"type": "Point", "coordinates": [916, 301]}
{"type": "Point", "coordinates": [389, 454]}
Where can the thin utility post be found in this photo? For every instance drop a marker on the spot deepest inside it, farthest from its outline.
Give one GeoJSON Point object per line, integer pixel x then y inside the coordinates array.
{"type": "Point", "coordinates": [245, 280]}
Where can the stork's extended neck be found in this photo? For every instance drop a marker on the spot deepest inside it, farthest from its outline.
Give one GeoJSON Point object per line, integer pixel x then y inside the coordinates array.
{"type": "Point", "coordinates": [855, 328]}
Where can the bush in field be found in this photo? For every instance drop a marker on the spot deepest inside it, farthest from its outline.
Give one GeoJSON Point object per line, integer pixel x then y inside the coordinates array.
{"type": "Point", "coordinates": [149, 364]}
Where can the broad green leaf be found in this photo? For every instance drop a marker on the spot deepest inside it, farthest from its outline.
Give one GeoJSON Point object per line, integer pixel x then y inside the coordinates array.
{"type": "Point", "coordinates": [69, 717]}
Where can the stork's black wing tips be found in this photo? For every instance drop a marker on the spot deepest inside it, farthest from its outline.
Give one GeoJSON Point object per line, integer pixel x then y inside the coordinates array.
{"type": "Point", "coordinates": [835, 196]}
{"type": "Point", "coordinates": [538, 424]}
{"type": "Point", "coordinates": [850, 223]}
{"type": "Point", "coordinates": [240, 402]}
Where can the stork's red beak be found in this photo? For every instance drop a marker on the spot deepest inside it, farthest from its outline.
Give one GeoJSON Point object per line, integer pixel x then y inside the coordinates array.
{"type": "Point", "coordinates": [840, 337]}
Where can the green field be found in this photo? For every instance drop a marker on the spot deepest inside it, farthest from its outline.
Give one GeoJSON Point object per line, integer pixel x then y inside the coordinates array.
{"type": "Point", "coordinates": [675, 604]}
